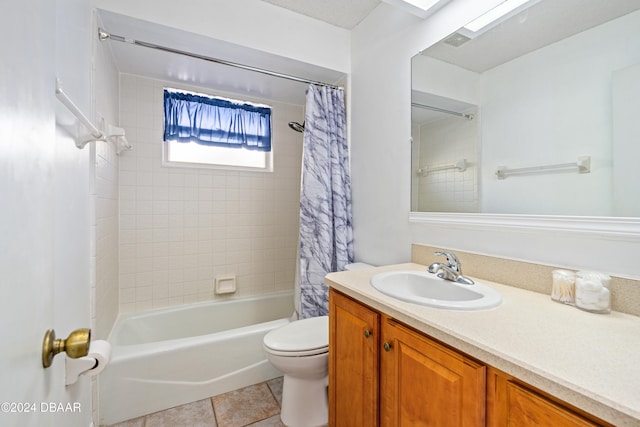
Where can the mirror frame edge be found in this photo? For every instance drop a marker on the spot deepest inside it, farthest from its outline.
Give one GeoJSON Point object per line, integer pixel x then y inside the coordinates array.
{"type": "Point", "coordinates": [625, 229]}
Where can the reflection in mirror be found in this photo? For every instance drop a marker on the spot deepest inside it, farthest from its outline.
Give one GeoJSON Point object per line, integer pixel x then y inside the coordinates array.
{"type": "Point", "coordinates": [445, 142]}
{"type": "Point", "coordinates": [552, 93]}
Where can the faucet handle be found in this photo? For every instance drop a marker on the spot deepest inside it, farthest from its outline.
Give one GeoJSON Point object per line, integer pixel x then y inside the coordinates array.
{"type": "Point", "coordinates": [452, 260]}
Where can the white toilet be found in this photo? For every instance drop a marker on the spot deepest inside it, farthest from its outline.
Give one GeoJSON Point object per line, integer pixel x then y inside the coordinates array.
{"type": "Point", "coordinates": [301, 351]}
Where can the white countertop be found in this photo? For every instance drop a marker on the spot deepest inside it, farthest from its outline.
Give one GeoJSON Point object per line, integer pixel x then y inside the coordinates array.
{"type": "Point", "coordinates": [591, 361]}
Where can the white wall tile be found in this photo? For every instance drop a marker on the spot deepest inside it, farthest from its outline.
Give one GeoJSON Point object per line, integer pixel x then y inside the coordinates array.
{"type": "Point", "coordinates": [182, 227]}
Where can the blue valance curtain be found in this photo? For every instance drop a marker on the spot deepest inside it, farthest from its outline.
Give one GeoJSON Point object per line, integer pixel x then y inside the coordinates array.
{"type": "Point", "coordinates": [215, 121]}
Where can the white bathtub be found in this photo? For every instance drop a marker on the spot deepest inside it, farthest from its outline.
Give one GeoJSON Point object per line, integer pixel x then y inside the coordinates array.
{"type": "Point", "coordinates": [169, 357]}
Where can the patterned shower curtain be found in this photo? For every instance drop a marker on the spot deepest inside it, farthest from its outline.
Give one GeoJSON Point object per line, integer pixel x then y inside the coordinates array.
{"type": "Point", "coordinates": [326, 233]}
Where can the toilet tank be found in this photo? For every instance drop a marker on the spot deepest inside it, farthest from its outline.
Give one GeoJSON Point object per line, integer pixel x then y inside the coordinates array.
{"type": "Point", "coordinates": [357, 266]}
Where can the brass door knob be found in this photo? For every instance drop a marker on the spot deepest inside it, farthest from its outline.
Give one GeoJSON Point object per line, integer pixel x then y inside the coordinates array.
{"type": "Point", "coordinates": [386, 346]}
{"type": "Point", "coordinates": [367, 333]}
{"type": "Point", "coordinates": [76, 345]}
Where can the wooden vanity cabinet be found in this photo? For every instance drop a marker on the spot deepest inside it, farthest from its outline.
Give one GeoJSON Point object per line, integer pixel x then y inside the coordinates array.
{"type": "Point", "coordinates": [512, 403]}
{"type": "Point", "coordinates": [384, 373]}
{"type": "Point", "coordinates": [423, 383]}
{"type": "Point", "coordinates": [354, 337]}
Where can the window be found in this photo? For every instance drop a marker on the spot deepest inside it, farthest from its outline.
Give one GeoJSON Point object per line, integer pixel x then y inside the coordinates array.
{"type": "Point", "coordinates": [205, 130]}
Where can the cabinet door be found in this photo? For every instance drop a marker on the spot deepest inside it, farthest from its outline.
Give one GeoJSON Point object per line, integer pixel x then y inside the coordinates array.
{"type": "Point", "coordinates": [423, 383]}
{"type": "Point", "coordinates": [353, 363]}
{"type": "Point", "coordinates": [512, 404]}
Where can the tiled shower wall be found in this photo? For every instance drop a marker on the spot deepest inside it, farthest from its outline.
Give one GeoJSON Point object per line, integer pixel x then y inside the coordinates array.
{"type": "Point", "coordinates": [181, 227]}
{"type": "Point", "coordinates": [106, 240]}
{"type": "Point", "coordinates": [445, 142]}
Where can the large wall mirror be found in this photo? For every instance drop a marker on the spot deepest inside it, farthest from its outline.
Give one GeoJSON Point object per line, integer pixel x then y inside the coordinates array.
{"type": "Point", "coordinates": [535, 114]}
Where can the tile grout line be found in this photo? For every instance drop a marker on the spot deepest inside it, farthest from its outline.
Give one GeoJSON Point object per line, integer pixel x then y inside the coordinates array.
{"type": "Point", "coordinates": [213, 409]}
{"type": "Point", "coordinates": [273, 395]}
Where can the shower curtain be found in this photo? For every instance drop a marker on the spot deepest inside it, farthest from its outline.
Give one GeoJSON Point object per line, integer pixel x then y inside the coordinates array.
{"type": "Point", "coordinates": [326, 233]}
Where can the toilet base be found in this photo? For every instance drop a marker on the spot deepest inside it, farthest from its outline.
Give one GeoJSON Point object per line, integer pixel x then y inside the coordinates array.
{"type": "Point", "coordinates": [305, 402]}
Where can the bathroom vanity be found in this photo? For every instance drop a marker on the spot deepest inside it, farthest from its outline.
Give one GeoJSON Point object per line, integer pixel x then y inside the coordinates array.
{"type": "Point", "coordinates": [529, 361]}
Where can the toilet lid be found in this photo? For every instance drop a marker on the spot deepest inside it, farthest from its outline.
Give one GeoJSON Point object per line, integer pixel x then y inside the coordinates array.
{"type": "Point", "coordinates": [300, 336]}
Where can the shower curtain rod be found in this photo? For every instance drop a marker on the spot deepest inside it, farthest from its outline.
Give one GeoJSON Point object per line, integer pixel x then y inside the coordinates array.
{"type": "Point", "coordinates": [103, 35]}
{"type": "Point", "coordinates": [442, 110]}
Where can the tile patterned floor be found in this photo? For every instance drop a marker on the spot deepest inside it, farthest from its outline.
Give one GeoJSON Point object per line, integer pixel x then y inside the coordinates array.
{"type": "Point", "coordinates": [257, 405]}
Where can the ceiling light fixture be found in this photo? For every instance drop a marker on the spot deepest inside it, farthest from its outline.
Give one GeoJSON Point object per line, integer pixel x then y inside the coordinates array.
{"type": "Point", "coordinates": [421, 8]}
{"type": "Point", "coordinates": [503, 11]}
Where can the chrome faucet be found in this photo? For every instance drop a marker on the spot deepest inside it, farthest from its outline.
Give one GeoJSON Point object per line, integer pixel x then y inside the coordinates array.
{"type": "Point", "coordinates": [451, 271]}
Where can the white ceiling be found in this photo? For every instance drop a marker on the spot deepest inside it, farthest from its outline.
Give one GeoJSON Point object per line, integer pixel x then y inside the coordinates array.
{"type": "Point", "coordinates": [341, 13]}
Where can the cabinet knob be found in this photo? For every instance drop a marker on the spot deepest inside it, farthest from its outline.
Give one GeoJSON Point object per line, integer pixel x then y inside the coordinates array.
{"type": "Point", "coordinates": [386, 346]}
{"type": "Point", "coordinates": [367, 333]}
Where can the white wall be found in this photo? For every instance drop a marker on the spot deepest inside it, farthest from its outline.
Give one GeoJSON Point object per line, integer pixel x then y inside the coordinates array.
{"type": "Point", "coordinates": [180, 228]}
{"type": "Point", "coordinates": [432, 76]}
{"type": "Point", "coordinates": [382, 46]}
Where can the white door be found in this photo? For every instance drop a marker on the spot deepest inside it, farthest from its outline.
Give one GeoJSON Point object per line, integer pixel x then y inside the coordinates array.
{"type": "Point", "coordinates": [44, 216]}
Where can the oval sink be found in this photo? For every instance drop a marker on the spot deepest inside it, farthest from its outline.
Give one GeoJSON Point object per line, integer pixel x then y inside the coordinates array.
{"type": "Point", "coordinates": [424, 288]}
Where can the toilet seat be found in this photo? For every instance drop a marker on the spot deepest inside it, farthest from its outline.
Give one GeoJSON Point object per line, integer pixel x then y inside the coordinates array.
{"type": "Point", "coordinates": [305, 337]}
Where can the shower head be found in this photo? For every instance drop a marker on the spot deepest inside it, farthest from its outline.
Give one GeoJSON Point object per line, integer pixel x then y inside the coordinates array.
{"type": "Point", "coordinates": [297, 126]}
